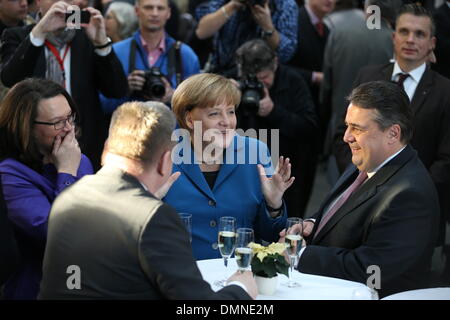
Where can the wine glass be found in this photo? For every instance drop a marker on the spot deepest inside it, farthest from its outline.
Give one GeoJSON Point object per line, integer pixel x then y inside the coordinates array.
{"type": "Point", "coordinates": [226, 242]}
{"type": "Point", "coordinates": [293, 240]}
{"type": "Point", "coordinates": [187, 220]}
{"type": "Point", "coordinates": [243, 253]}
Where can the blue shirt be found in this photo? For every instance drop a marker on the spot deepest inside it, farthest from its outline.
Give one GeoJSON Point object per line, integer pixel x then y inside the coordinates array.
{"type": "Point", "coordinates": [241, 28]}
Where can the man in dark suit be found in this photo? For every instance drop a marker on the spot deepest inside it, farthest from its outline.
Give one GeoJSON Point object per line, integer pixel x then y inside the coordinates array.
{"type": "Point", "coordinates": [312, 37]}
{"type": "Point", "coordinates": [383, 211]}
{"type": "Point", "coordinates": [79, 59]}
{"type": "Point", "coordinates": [429, 94]}
{"type": "Point", "coordinates": [125, 242]}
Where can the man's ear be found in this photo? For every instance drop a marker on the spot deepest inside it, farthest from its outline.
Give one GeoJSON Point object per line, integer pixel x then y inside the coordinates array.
{"type": "Point", "coordinates": [165, 163]}
{"type": "Point", "coordinates": [395, 133]}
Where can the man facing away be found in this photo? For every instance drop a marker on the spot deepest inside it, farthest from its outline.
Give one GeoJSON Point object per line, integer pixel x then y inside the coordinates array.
{"type": "Point", "coordinates": [125, 242]}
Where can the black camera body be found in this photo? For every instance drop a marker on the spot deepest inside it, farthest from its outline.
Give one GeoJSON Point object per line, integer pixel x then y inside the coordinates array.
{"type": "Point", "coordinates": [153, 85]}
{"type": "Point", "coordinates": [252, 92]}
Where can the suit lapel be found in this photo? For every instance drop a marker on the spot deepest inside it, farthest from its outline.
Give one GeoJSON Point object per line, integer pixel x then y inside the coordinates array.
{"type": "Point", "coordinates": [422, 91]}
{"type": "Point", "coordinates": [366, 191]}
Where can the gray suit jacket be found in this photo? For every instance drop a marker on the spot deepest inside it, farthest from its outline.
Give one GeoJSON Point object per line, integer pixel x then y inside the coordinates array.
{"type": "Point", "coordinates": [127, 244]}
{"type": "Point", "coordinates": [391, 221]}
{"type": "Point", "coordinates": [350, 46]}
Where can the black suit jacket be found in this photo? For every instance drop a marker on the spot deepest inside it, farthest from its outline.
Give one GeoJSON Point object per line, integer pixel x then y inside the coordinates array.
{"type": "Point", "coordinates": [89, 73]}
{"type": "Point", "coordinates": [390, 221]}
{"type": "Point", "coordinates": [431, 139]}
{"type": "Point", "coordinates": [127, 244]}
{"type": "Point", "coordinates": [309, 56]}
{"type": "Point", "coordinates": [311, 46]}
{"type": "Point", "coordinates": [442, 51]}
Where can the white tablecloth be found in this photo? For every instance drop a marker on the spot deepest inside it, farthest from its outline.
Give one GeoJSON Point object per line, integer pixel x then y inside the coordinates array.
{"type": "Point", "coordinates": [422, 294]}
{"type": "Point", "coordinates": [312, 287]}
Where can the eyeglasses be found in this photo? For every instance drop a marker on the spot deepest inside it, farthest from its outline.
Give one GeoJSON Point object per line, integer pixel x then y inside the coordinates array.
{"type": "Point", "coordinates": [58, 125]}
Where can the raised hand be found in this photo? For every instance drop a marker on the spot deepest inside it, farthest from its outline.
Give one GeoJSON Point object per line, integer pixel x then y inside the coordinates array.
{"type": "Point", "coordinates": [66, 153]}
{"type": "Point", "coordinates": [95, 29]}
{"type": "Point", "coordinates": [54, 19]}
{"type": "Point", "coordinates": [273, 188]}
{"type": "Point", "coordinates": [161, 193]}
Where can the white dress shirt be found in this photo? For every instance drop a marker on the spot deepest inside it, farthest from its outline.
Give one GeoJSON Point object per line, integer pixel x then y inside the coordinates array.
{"type": "Point", "coordinates": [412, 81]}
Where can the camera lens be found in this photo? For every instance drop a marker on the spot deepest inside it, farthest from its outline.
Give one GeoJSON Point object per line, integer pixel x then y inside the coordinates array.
{"type": "Point", "coordinates": [157, 89]}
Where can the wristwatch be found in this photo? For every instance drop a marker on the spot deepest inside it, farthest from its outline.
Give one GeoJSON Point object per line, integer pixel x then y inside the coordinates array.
{"type": "Point", "coordinates": [108, 43]}
{"type": "Point", "coordinates": [267, 34]}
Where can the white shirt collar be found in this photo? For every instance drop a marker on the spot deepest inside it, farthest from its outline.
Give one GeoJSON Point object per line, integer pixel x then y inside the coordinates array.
{"type": "Point", "coordinates": [371, 173]}
{"type": "Point", "coordinates": [415, 74]}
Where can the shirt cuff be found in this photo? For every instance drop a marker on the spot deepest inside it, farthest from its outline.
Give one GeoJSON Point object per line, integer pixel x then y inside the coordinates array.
{"type": "Point", "coordinates": [37, 42]}
{"type": "Point", "coordinates": [103, 52]}
{"type": "Point", "coordinates": [237, 283]}
{"type": "Point", "coordinates": [64, 180]}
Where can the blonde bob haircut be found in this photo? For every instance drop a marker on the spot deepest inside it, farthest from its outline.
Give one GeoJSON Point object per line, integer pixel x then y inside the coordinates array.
{"type": "Point", "coordinates": [203, 90]}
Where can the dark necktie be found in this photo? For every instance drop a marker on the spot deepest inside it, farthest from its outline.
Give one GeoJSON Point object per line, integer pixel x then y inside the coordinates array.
{"type": "Point", "coordinates": [342, 199]}
{"type": "Point", "coordinates": [320, 28]}
{"type": "Point", "coordinates": [401, 79]}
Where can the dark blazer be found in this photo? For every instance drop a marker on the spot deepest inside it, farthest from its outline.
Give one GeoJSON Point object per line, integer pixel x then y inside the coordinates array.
{"type": "Point", "coordinates": [127, 244]}
{"type": "Point", "coordinates": [9, 252]}
{"type": "Point", "coordinates": [431, 139]}
{"type": "Point", "coordinates": [390, 221]}
{"type": "Point", "coordinates": [442, 51]}
{"type": "Point", "coordinates": [310, 46]}
{"type": "Point", "coordinates": [89, 73]}
{"type": "Point", "coordinates": [309, 56]}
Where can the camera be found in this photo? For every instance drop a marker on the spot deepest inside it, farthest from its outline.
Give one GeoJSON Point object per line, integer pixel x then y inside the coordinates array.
{"type": "Point", "coordinates": [252, 91]}
{"type": "Point", "coordinates": [85, 16]}
{"type": "Point", "coordinates": [153, 84]}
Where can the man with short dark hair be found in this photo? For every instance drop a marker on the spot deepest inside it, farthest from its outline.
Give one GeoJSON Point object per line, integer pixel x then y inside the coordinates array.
{"type": "Point", "coordinates": [285, 104]}
{"type": "Point", "coordinates": [12, 13]}
{"type": "Point", "coordinates": [127, 243]}
{"type": "Point", "coordinates": [384, 209]}
{"type": "Point", "coordinates": [429, 95]}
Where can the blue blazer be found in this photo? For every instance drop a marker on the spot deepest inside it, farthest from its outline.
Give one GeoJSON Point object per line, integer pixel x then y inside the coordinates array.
{"type": "Point", "coordinates": [237, 192]}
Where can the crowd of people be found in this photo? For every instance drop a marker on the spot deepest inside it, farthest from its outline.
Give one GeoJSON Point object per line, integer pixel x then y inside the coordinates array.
{"type": "Point", "coordinates": [111, 126]}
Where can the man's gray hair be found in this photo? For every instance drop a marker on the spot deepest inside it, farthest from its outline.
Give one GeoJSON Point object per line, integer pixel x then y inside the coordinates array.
{"type": "Point", "coordinates": [126, 17]}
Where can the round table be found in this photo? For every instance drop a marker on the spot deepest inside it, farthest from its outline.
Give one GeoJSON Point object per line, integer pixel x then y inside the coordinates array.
{"type": "Point", "coordinates": [312, 287]}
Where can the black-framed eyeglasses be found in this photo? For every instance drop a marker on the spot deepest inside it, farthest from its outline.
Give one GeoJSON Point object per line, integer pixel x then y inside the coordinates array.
{"type": "Point", "coordinates": [58, 125]}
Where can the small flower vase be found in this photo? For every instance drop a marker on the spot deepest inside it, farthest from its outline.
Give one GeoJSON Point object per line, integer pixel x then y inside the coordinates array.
{"type": "Point", "coordinates": [266, 286]}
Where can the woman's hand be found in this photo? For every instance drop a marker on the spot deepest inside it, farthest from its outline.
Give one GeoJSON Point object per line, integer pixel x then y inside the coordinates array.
{"type": "Point", "coordinates": [161, 193]}
{"type": "Point", "coordinates": [273, 188]}
{"type": "Point", "coordinates": [66, 153]}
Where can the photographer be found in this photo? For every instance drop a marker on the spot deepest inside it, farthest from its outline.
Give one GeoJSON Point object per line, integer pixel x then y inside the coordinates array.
{"type": "Point", "coordinates": [237, 21]}
{"type": "Point", "coordinates": [80, 59]}
{"type": "Point", "coordinates": [285, 103]}
{"type": "Point", "coordinates": [154, 61]}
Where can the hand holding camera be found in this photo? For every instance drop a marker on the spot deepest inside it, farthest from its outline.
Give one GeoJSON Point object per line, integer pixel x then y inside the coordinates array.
{"type": "Point", "coordinates": [265, 104]}
{"type": "Point", "coordinates": [149, 84]}
{"type": "Point", "coordinates": [54, 19]}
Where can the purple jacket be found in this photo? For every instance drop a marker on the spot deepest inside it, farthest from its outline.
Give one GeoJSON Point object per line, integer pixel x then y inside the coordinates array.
{"type": "Point", "coordinates": [29, 196]}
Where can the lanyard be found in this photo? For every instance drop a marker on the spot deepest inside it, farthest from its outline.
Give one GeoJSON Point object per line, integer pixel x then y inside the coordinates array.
{"type": "Point", "coordinates": [58, 57]}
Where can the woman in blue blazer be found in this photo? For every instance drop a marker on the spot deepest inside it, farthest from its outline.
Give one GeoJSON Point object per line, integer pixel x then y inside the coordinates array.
{"type": "Point", "coordinates": [222, 173]}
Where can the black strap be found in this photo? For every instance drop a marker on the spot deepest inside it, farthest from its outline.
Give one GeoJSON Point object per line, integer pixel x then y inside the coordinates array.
{"type": "Point", "coordinates": [175, 62]}
{"type": "Point", "coordinates": [132, 57]}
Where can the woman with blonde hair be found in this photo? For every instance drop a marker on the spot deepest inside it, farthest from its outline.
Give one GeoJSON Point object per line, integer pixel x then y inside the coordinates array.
{"type": "Point", "coordinates": [222, 173]}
